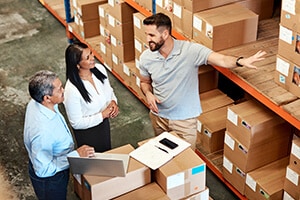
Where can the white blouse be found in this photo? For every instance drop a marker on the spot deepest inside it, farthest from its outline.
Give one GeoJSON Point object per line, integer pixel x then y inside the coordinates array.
{"type": "Point", "coordinates": [81, 114]}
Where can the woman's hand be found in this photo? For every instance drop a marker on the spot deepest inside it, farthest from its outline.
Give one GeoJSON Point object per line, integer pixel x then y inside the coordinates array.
{"type": "Point", "coordinates": [113, 106]}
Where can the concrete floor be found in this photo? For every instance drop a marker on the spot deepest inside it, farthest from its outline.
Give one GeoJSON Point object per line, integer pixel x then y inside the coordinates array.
{"type": "Point", "coordinates": [31, 39]}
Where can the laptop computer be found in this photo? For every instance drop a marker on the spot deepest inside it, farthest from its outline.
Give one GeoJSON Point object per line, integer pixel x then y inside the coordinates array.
{"type": "Point", "coordinates": [102, 164]}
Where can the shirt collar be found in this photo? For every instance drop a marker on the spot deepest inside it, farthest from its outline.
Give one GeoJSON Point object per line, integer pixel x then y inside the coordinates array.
{"type": "Point", "coordinates": [47, 112]}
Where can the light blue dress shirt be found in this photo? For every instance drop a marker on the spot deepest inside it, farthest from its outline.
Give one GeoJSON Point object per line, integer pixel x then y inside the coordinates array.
{"type": "Point", "coordinates": [47, 139]}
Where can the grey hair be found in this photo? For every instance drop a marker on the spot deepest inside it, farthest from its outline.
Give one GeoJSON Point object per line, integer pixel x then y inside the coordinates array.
{"type": "Point", "coordinates": [41, 84]}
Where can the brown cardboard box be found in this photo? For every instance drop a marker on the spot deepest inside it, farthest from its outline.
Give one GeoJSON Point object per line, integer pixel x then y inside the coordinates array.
{"type": "Point", "coordinates": [124, 51]}
{"type": "Point", "coordinates": [211, 130]}
{"type": "Point", "coordinates": [100, 187]}
{"type": "Point", "coordinates": [248, 159]}
{"type": "Point", "coordinates": [292, 182]}
{"type": "Point", "coordinates": [208, 78]}
{"type": "Point", "coordinates": [182, 176]}
{"type": "Point", "coordinates": [182, 20]}
{"type": "Point", "coordinates": [151, 191]}
{"type": "Point", "coordinates": [214, 99]}
{"type": "Point", "coordinates": [103, 14]}
{"type": "Point", "coordinates": [139, 47]}
{"type": "Point", "coordinates": [251, 123]}
{"type": "Point", "coordinates": [224, 27]}
{"type": "Point", "coordinates": [198, 5]}
{"type": "Point", "coordinates": [88, 9]}
{"type": "Point", "coordinates": [120, 10]}
{"type": "Point", "coordinates": [288, 39]}
{"type": "Point", "coordinates": [138, 29]}
{"type": "Point", "coordinates": [264, 8]}
{"type": "Point", "coordinates": [290, 15]}
{"type": "Point", "coordinates": [77, 185]}
{"type": "Point", "coordinates": [235, 176]}
{"type": "Point", "coordinates": [89, 28]}
{"type": "Point", "coordinates": [267, 182]}
{"type": "Point", "coordinates": [203, 195]}
{"type": "Point", "coordinates": [122, 31]}
{"type": "Point", "coordinates": [295, 155]}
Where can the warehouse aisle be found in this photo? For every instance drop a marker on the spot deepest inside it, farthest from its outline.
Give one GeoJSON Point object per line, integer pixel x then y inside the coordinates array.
{"type": "Point", "coordinates": [30, 40]}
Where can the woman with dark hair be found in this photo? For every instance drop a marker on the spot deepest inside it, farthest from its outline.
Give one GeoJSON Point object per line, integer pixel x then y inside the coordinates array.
{"type": "Point", "coordinates": [89, 98]}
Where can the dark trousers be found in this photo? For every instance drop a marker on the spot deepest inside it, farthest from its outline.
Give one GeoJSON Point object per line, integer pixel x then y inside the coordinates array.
{"type": "Point", "coordinates": [50, 188]}
{"type": "Point", "coordinates": [97, 136]}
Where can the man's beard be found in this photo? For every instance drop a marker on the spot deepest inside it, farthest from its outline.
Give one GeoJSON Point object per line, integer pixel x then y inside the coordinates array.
{"type": "Point", "coordinates": [157, 45]}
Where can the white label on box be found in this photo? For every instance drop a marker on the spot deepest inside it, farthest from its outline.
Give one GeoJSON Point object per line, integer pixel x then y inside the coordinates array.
{"type": "Point", "coordinates": [111, 21]}
{"type": "Point", "coordinates": [175, 180]}
{"type": "Point", "coordinates": [138, 82]}
{"type": "Point", "coordinates": [289, 6]}
{"type": "Point", "coordinates": [114, 58]}
{"type": "Point", "coordinates": [111, 3]}
{"type": "Point", "coordinates": [209, 31]}
{"type": "Point", "coordinates": [231, 116]}
{"type": "Point", "coordinates": [76, 20]}
{"type": "Point", "coordinates": [295, 150]}
{"type": "Point", "coordinates": [79, 11]}
{"type": "Point", "coordinates": [282, 66]}
{"type": "Point", "coordinates": [78, 178]}
{"type": "Point", "coordinates": [207, 133]}
{"type": "Point", "coordinates": [101, 12]}
{"type": "Point", "coordinates": [137, 45]}
{"type": "Point", "coordinates": [197, 23]}
{"type": "Point", "coordinates": [292, 176]}
{"type": "Point", "coordinates": [177, 10]}
{"type": "Point", "coordinates": [126, 69]}
{"type": "Point", "coordinates": [137, 22]}
{"type": "Point", "coordinates": [286, 196]}
{"type": "Point", "coordinates": [103, 48]}
{"type": "Point", "coordinates": [199, 126]}
{"type": "Point", "coordinates": [285, 34]}
{"type": "Point", "coordinates": [74, 3]}
{"type": "Point", "coordinates": [102, 31]}
{"type": "Point", "coordinates": [70, 28]}
{"type": "Point", "coordinates": [113, 40]}
{"type": "Point", "coordinates": [137, 63]}
{"type": "Point", "coordinates": [159, 3]}
{"type": "Point", "coordinates": [227, 164]}
{"type": "Point", "coordinates": [250, 182]}
{"type": "Point", "coordinates": [282, 79]}
{"type": "Point", "coordinates": [229, 141]}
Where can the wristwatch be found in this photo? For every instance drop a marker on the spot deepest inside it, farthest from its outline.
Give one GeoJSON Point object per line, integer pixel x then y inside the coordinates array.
{"type": "Point", "coordinates": [237, 61]}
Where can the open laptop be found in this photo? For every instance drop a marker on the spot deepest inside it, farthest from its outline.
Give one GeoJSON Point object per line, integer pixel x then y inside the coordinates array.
{"type": "Point", "coordinates": [103, 164]}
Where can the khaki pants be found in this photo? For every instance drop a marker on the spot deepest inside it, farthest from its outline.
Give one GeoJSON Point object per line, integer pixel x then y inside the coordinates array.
{"type": "Point", "coordinates": [186, 129]}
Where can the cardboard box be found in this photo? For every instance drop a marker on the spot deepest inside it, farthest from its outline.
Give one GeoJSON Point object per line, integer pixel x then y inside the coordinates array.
{"type": "Point", "coordinates": [252, 123]}
{"type": "Point", "coordinates": [120, 10]}
{"type": "Point", "coordinates": [182, 176]}
{"type": "Point", "coordinates": [288, 42]}
{"type": "Point", "coordinates": [224, 27]}
{"type": "Point", "coordinates": [249, 159]}
{"type": "Point", "coordinates": [292, 182]}
{"type": "Point", "coordinates": [100, 187]}
{"type": "Point", "coordinates": [182, 20]}
{"type": "Point", "coordinates": [122, 31]}
{"type": "Point", "coordinates": [151, 191]}
{"type": "Point", "coordinates": [235, 176]}
{"type": "Point", "coordinates": [208, 78]}
{"type": "Point", "coordinates": [124, 50]}
{"type": "Point", "coordinates": [267, 182]}
{"type": "Point", "coordinates": [211, 130]}
{"type": "Point", "coordinates": [103, 14]}
{"type": "Point", "coordinates": [295, 155]}
{"type": "Point", "coordinates": [89, 28]}
{"type": "Point", "coordinates": [77, 185]}
{"type": "Point", "coordinates": [290, 14]}
{"type": "Point", "coordinates": [203, 195]}
{"type": "Point", "coordinates": [138, 28]}
{"type": "Point", "coordinates": [196, 5]}
{"type": "Point", "coordinates": [214, 99]}
{"type": "Point", "coordinates": [88, 9]}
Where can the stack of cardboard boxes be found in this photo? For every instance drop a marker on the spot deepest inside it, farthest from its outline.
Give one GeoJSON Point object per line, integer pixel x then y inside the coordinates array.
{"type": "Point", "coordinates": [183, 177]}
{"type": "Point", "coordinates": [288, 58]}
{"type": "Point", "coordinates": [255, 137]}
{"type": "Point", "coordinates": [86, 17]}
{"type": "Point", "coordinates": [292, 175]}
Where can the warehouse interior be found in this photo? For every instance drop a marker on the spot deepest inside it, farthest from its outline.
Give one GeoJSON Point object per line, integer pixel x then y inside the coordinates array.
{"type": "Point", "coordinates": [33, 39]}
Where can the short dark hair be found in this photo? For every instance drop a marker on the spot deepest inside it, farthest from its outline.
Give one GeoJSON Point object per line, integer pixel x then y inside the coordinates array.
{"type": "Point", "coordinates": [41, 84]}
{"type": "Point", "coordinates": [160, 20]}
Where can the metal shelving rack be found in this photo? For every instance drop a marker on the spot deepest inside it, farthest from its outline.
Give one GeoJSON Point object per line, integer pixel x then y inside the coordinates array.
{"type": "Point", "coordinates": [226, 72]}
